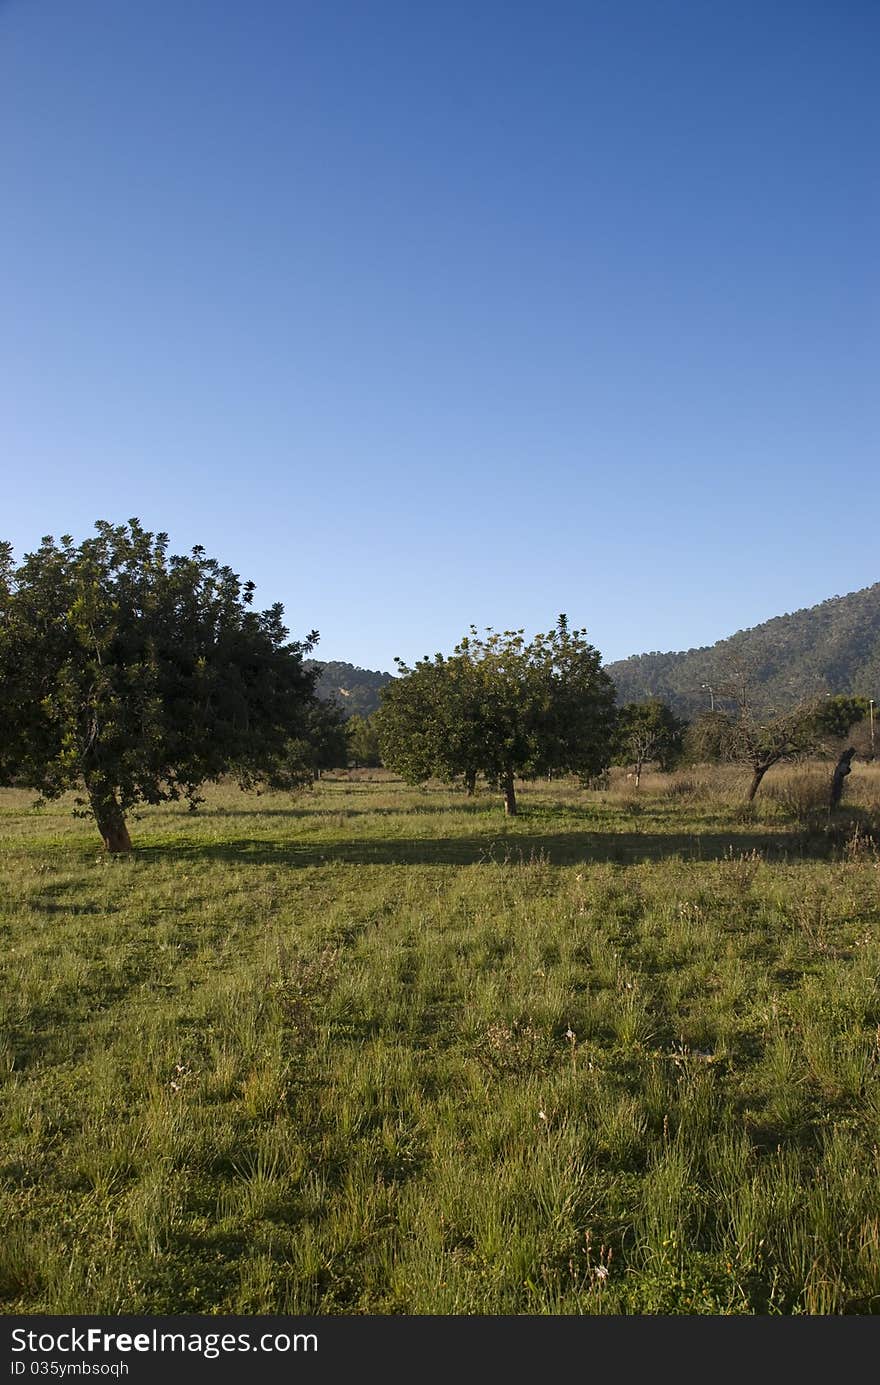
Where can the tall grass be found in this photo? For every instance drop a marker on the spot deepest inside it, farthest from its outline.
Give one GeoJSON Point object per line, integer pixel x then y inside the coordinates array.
{"type": "Point", "coordinates": [379, 1050]}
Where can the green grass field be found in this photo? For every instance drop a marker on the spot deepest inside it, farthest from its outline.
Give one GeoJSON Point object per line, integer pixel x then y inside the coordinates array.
{"type": "Point", "coordinates": [377, 1050]}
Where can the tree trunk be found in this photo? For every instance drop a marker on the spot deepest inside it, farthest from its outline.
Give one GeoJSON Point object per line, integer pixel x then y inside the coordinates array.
{"type": "Point", "coordinates": [109, 816]}
{"type": "Point", "coordinates": [470, 783]}
{"type": "Point", "coordinates": [509, 794]}
{"type": "Point", "coordinates": [756, 780]}
{"type": "Point", "coordinates": [841, 770]}
{"type": "Point", "coordinates": [638, 773]}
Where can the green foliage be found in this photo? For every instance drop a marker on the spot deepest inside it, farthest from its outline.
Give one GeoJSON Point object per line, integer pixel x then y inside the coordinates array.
{"type": "Point", "coordinates": [706, 739]}
{"type": "Point", "coordinates": [501, 707]}
{"type": "Point", "coordinates": [430, 720]}
{"type": "Point", "coordinates": [834, 717]}
{"type": "Point", "coordinates": [141, 676]}
{"type": "Point", "coordinates": [647, 731]}
{"type": "Point", "coordinates": [362, 742]}
{"type": "Point", "coordinates": [322, 744]}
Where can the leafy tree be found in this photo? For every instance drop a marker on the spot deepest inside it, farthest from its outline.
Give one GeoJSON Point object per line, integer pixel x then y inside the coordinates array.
{"type": "Point", "coordinates": [322, 743]}
{"type": "Point", "coordinates": [834, 717]}
{"type": "Point", "coordinates": [647, 731]}
{"type": "Point", "coordinates": [140, 676]}
{"type": "Point", "coordinates": [500, 707]}
{"type": "Point", "coordinates": [362, 741]}
{"type": "Point", "coordinates": [429, 722]}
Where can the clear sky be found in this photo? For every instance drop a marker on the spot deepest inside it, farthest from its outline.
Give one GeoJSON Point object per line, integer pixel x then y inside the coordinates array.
{"type": "Point", "coordinates": [429, 314]}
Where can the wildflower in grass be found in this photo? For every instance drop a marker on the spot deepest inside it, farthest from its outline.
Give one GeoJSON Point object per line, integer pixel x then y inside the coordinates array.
{"type": "Point", "coordinates": [181, 1074]}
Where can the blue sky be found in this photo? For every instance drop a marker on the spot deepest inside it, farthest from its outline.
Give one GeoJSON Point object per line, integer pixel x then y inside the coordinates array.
{"type": "Point", "coordinates": [425, 315]}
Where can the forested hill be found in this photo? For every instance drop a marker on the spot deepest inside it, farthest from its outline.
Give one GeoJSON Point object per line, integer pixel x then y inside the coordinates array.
{"type": "Point", "coordinates": [833, 647]}
{"type": "Point", "coordinates": [830, 648]}
{"type": "Point", "coordinates": [355, 689]}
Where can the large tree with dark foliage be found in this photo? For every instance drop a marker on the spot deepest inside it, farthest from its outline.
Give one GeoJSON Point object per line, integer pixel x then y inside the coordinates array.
{"type": "Point", "coordinates": [501, 707]}
{"type": "Point", "coordinates": [139, 676]}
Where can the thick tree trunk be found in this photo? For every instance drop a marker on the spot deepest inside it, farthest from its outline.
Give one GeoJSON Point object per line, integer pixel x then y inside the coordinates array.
{"type": "Point", "coordinates": [470, 783]}
{"type": "Point", "coordinates": [509, 794]}
{"type": "Point", "coordinates": [638, 773]}
{"type": "Point", "coordinates": [109, 816]}
{"type": "Point", "coordinates": [756, 781]}
{"type": "Point", "coordinates": [841, 770]}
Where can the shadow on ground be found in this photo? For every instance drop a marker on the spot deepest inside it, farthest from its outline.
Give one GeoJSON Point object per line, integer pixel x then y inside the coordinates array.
{"type": "Point", "coordinates": [560, 849]}
{"type": "Point", "coordinates": [328, 810]}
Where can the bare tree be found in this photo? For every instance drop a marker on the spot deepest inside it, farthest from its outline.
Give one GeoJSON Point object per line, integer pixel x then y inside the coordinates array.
{"type": "Point", "coordinates": [761, 740]}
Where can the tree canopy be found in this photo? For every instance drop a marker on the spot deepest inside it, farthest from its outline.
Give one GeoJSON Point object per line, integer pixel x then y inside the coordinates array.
{"type": "Point", "coordinates": [647, 731]}
{"type": "Point", "coordinates": [321, 743]}
{"type": "Point", "coordinates": [140, 676]}
{"type": "Point", "coordinates": [362, 742]}
{"type": "Point", "coordinates": [834, 718]}
{"type": "Point", "coordinates": [500, 707]}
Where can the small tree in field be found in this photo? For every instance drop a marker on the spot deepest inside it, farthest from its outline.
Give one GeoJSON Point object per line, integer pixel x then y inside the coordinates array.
{"type": "Point", "coordinates": [647, 731]}
{"type": "Point", "coordinates": [362, 742]}
{"type": "Point", "coordinates": [501, 707]}
{"type": "Point", "coordinates": [321, 744]}
{"type": "Point", "coordinates": [754, 738]}
{"type": "Point", "coordinates": [139, 677]}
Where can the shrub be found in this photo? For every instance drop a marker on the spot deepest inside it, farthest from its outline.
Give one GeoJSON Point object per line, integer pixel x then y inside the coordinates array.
{"type": "Point", "coordinates": [801, 795]}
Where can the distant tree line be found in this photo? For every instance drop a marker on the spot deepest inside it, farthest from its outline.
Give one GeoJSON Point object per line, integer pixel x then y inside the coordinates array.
{"type": "Point", "coordinates": [137, 676]}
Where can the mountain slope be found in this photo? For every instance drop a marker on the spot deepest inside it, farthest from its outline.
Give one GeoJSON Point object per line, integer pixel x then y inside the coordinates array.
{"type": "Point", "coordinates": [830, 648]}
{"type": "Point", "coordinates": [356, 690]}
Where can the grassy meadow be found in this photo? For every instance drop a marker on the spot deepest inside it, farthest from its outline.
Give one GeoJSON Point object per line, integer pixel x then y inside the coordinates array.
{"type": "Point", "coordinates": [374, 1049]}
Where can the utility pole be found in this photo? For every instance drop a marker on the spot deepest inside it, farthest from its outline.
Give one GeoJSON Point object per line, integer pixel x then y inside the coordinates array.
{"type": "Point", "coordinates": [871, 716]}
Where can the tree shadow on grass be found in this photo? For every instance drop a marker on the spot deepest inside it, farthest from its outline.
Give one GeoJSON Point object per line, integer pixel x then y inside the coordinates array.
{"type": "Point", "coordinates": [569, 848]}
{"type": "Point", "coordinates": [318, 811]}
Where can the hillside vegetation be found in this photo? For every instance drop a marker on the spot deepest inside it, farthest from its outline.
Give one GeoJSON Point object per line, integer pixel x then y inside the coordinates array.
{"type": "Point", "coordinates": [830, 648]}
{"type": "Point", "coordinates": [379, 1049]}
{"type": "Point", "coordinates": [355, 690]}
